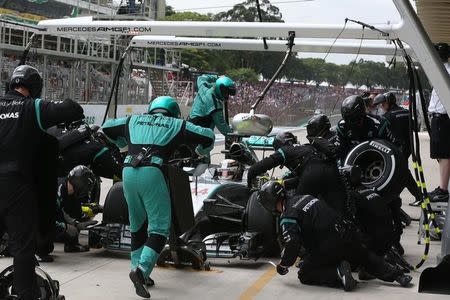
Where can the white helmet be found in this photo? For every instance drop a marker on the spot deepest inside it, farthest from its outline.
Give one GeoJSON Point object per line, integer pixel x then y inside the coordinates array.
{"type": "Point", "coordinates": [229, 170]}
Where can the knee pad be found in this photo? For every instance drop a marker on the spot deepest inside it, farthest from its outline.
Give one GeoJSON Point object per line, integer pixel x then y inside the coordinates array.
{"type": "Point", "coordinates": [156, 242]}
{"type": "Point", "coordinates": [138, 238]}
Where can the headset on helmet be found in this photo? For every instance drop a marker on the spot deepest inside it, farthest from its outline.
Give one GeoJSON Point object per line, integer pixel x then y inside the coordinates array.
{"type": "Point", "coordinates": [389, 98]}
{"type": "Point", "coordinates": [27, 77]}
{"type": "Point", "coordinates": [282, 139]}
{"type": "Point", "coordinates": [165, 105]}
{"type": "Point", "coordinates": [83, 180]}
{"type": "Point", "coordinates": [47, 288]}
{"type": "Point", "coordinates": [318, 125]}
{"type": "Point", "coordinates": [353, 109]}
{"type": "Point", "coordinates": [269, 194]}
{"type": "Point", "coordinates": [443, 50]}
{"type": "Point", "coordinates": [224, 87]}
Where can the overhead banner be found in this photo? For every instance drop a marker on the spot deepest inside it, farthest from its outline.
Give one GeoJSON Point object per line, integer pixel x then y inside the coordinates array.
{"type": "Point", "coordinates": [94, 113]}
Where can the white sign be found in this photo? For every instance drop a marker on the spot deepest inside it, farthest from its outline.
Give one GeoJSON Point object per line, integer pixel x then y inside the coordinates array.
{"type": "Point", "coordinates": [94, 113]}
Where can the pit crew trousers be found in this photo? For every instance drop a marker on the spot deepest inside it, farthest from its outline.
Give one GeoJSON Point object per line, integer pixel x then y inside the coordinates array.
{"type": "Point", "coordinates": [149, 210]}
{"type": "Point", "coordinates": [319, 267]}
{"type": "Point", "coordinates": [18, 215]}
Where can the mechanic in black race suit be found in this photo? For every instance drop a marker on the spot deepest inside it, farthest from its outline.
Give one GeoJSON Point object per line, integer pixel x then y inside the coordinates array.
{"type": "Point", "coordinates": [356, 127]}
{"type": "Point", "coordinates": [372, 213]}
{"type": "Point", "coordinates": [320, 126]}
{"type": "Point", "coordinates": [329, 241]}
{"type": "Point", "coordinates": [23, 121]}
{"type": "Point", "coordinates": [314, 164]}
{"type": "Point", "coordinates": [398, 119]}
{"type": "Point", "coordinates": [72, 190]}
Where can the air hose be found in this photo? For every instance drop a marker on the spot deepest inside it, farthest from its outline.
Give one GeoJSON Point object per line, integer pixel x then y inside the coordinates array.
{"type": "Point", "coordinates": [261, 96]}
{"type": "Point", "coordinates": [115, 84]}
{"type": "Point", "coordinates": [416, 157]}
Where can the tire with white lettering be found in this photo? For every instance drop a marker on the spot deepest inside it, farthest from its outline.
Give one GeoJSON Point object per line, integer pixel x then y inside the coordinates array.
{"type": "Point", "coordinates": [115, 209]}
{"type": "Point", "coordinates": [258, 219]}
{"type": "Point", "coordinates": [382, 165]}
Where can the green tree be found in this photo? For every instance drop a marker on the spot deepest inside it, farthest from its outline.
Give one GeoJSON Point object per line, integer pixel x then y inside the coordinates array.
{"type": "Point", "coordinates": [247, 12]}
{"type": "Point", "coordinates": [187, 16]}
{"type": "Point", "coordinates": [262, 62]}
{"type": "Point", "coordinates": [169, 10]}
{"type": "Point", "coordinates": [243, 74]}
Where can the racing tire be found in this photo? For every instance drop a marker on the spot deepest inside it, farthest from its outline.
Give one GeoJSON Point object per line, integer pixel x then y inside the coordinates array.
{"type": "Point", "coordinates": [115, 209]}
{"type": "Point", "coordinates": [382, 165]}
{"type": "Point", "coordinates": [258, 219]}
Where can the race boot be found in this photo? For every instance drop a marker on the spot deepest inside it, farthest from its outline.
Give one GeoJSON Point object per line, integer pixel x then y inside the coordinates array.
{"type": "Point", "coordinates": [149, 282]}
{"type": "Point", "coordinates": [344, 272]}
{"type": "Point", "coordinates": [404, 280]}
{"type": "Point", "coordinates": [75, 248]}
{"type": "Point", "coordinates": [138, 280]}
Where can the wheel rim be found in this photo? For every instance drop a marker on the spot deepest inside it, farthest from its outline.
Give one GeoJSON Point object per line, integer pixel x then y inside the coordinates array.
{"type": "Point", "coordinates": [372, 164]}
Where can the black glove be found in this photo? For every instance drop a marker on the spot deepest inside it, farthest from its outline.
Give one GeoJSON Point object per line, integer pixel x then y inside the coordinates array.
{"type": "Point", "coordinates": [282, 270]}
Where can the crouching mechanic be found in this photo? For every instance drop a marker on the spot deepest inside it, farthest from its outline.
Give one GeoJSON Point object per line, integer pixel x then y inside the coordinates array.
{"type": "Point", "coordinates": [356, 127]}
{"type": "Point", "coordinates": [72, 191]}
{"type": "Point", "coordinates": [151, 138]}
{"type": "Point", "coordinates": [208, 108]}
{"type": "Point", "coordinates": [329, 242]}
{"type": "Point", "coordinates": [313, 164]}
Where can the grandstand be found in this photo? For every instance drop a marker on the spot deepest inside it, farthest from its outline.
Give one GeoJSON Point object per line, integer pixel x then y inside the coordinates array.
{"type": "Point", "coordinates": [77, 67]}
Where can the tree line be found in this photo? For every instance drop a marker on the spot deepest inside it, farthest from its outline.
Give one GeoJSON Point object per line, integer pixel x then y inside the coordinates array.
{"type": "Point", "coordinates": [248, 65]}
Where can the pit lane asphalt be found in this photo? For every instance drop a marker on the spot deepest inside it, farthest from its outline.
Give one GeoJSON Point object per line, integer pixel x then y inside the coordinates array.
{"type": "Point", "coordinates": [99, 274]}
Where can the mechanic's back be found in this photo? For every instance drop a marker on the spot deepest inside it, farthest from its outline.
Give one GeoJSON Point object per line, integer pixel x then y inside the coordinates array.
{"type": "Point", "coordinates": [23, 120]}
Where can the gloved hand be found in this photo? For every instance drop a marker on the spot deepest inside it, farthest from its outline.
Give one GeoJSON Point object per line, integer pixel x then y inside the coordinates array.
{"type": "Point", "coordinates": [84, 225]}
{"type": "Point", "coordinates": [282, 270]}
{"type": "Point", "coordinates": [71, 231]}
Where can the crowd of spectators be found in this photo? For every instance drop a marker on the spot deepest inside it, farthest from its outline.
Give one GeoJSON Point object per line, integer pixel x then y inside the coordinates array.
{"type": "Point", "coordinates": [288, 103]}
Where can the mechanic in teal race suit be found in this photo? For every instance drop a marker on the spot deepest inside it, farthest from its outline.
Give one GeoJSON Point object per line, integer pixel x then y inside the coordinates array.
{"type": "Point", "coordinates": [151, 138]}
{"type": "Point", "coordinates": [208, 108]}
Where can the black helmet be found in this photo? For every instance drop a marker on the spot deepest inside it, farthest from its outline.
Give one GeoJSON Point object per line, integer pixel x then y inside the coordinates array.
{"type": "Point", "coordinates": [318, 125]}
{"type": "Point", "coordinates": [46, 289]}
{"type": "Point", "coordinates": [83, 180]}
{"type": "Point", "coordinates": [269, 194]}
{"type": "Point", "coordinates": [285, 138]}
{"type": "Point", "coordinates": [443, 50]}
{"type": "Point", "coordinates": [386, 97]}
{"type": "Point", "coordinates": [353, 109]}
{"type": "Point", "coordinates": [29, 78]}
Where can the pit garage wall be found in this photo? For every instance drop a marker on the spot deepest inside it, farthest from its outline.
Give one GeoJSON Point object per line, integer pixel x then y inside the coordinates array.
{"type": "Point", "coordinates": [94, 113]}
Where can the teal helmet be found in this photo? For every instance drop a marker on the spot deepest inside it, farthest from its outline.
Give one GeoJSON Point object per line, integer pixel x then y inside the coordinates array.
{"type": "Point", "coordinates": [225, 87]}
{"type": "Point", "coordinates": [165, 105]}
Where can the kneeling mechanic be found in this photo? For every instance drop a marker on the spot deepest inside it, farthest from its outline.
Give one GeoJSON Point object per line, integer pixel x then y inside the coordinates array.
{"type": "Point", "coordinates": [330, 242]}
